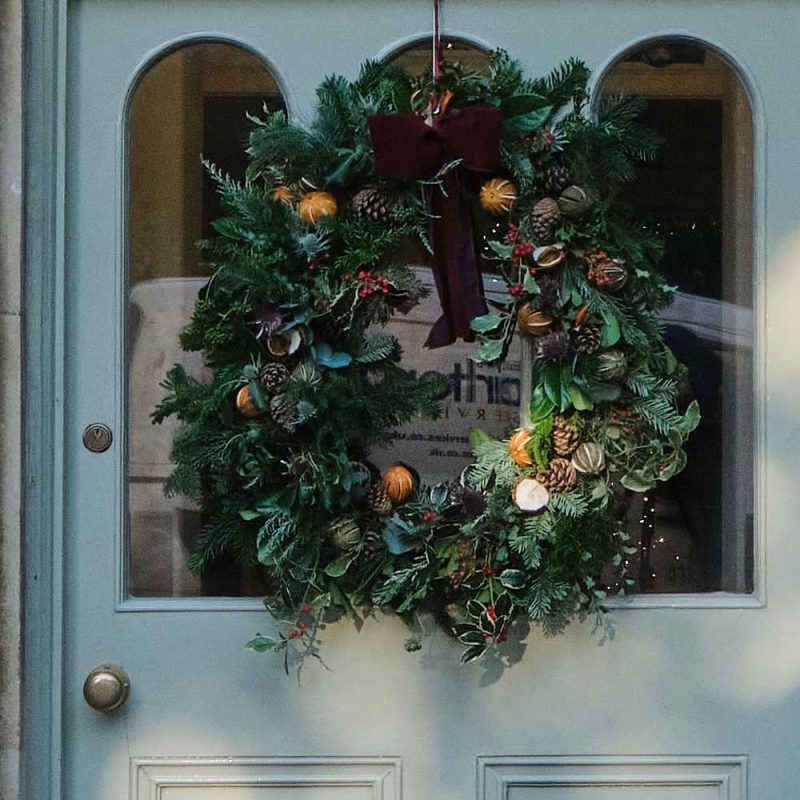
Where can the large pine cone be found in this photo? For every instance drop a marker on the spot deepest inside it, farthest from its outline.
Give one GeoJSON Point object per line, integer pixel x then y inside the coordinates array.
{"type": "Point", "coordinates": [565, 437]}
{"type": "Point", "coordinates": [272, 377]}
{"type": "Point", "coordinates": [372, 205]}
{"type": "Point", "coordinates": [587, 339]}
{"type": "Point", "coordinates": [283, 412]}
{"type": "Point", "coordinates": [560, 477]}
{"type": "Point", "coordinates": [378, 498]}
{"type": "Point", "coordinates": [556, 178]}
{"type": "Point", "coordinates": [544, 217]}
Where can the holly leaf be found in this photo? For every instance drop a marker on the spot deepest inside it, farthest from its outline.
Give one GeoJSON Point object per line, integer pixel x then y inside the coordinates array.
{"type": "Point", "coordinates": [486, 322]}
{"type": "Point", "coordinates": [512, 578]}
{"type": "Point", "coordinates": [501, 249]}
{"type": "Point", "coordinates": [529, 284]}
{"type": "Point", "coordinates": [675, 465]}
{"type": "Point", "coordinates": [472, 653]}
{"type": "Point", "coordinates": [489, 350]}
{"type": "Point", "coordinates": [636, 482]}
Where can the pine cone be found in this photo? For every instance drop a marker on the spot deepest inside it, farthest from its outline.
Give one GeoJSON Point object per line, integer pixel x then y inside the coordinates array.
{"type": "Point", "coordinates": [565, 437]}
{"type": "Point", "coordinates": [371, 205]}
{"type": "Point", "coordinates": [371, 543]}
{"type": "Point", "coordinates": [560, 476]}
{"type": "Point", "coordinates": [283, 412]}
{"type": "Point", "coordinates": [272, 376]}
{"type": "Point", "coordinates": [587, 339]}
{"type": "Point", "coordinates": [378, 498]}
{"type": "Point", "coordinates": [544, 217]}
{"type": "Point", "coordinates": [556, 178]}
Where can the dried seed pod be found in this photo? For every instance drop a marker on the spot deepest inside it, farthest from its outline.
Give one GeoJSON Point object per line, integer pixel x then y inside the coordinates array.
{"type": "Point", "coordinates": [533, 322]}
{"type": "Point", "coordinates": [284, 344]}
{"type": "Point", "coordinates": [284, 194]}
{"type": "Point", "coordinates": [611, 365]}
{"type": "Point", "coordinates": [518, 448]}
{"type": "Point", "coordinates": [573, 202]}
{"type": "Point", "coordinates": [549, 256]}
{"type": "Point", "coordinates": [399, 482]}
{"type": "Point", "coordinates": [316, 205]}
{"type": "Point", "coordinates": [346, 534]}
{"type": "Point", "coordinates": [245, 404]}
{"type": "Point", "coordinates": [589, 458]}
{"type": "Point", "coordinates": [530, 496]}
{"type": "Point", "coordinates": [497, 196]}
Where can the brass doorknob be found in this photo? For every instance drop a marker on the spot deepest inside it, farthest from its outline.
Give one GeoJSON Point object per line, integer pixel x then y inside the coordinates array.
{"type": "Point", "coordinates": [106, 687]}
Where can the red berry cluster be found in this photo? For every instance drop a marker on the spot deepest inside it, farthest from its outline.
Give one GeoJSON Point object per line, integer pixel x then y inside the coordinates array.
{"type": "Point", "coordinates": [467, 567]}
{"type": "Point", "coordinates": [599, 277]}
{"type": "Point", "coordinates": [521, 249]}
{"type": "Point", "coordinates": [429, 516]}
{"type": "Point", "coordinates": [626, 418]}
{"type": "Point", "coordinates": [523, 246]}
{"type": "Point", "coordinates": [301, 626]}
{"type": "Point", "coordinates": [372, 284]}
{"type": "Point", "coordinates": [515, 290]}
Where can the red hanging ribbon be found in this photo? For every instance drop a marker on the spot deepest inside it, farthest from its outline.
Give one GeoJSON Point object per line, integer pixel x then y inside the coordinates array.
{"type": "Point", "coordinates": [406, 147]}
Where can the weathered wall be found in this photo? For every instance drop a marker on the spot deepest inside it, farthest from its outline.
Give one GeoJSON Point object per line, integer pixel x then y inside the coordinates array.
{"type": "Point", "coordinates": [10, 393]}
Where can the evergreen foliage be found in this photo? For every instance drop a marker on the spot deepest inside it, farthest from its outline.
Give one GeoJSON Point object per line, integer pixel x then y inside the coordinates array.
{"type": "Point", "coordinates": [281, 468]}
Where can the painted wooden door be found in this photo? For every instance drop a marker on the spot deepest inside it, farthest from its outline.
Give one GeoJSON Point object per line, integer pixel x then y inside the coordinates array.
{"type": "Point", "coordinates": [695, 696]}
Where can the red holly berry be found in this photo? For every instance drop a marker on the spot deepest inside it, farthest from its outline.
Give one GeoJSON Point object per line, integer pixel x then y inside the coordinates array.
{"type": "Point", "coordinates": [294, 634]}
{"type": "Point", "coordinates": [515, 289]}
{"type": "Point", "coordinates": [306, 609]}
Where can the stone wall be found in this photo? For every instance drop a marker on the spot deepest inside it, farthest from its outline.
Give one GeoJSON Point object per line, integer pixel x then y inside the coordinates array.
{"type": "Point", "coordinates": [10, 393]}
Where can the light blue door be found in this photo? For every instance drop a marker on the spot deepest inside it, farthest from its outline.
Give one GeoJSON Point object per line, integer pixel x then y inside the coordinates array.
{"type": "Point", "coordinates": [696, 695]}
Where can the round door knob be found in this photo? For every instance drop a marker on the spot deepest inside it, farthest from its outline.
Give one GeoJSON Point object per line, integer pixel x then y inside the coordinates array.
{"type": "Point", "coordinates": [106, 687]}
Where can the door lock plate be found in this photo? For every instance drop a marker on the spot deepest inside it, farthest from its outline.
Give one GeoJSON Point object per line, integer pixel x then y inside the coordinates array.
{"type": "Point", "coordinates": [97, 437]}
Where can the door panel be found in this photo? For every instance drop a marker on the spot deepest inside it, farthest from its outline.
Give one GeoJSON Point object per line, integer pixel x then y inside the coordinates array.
{"type": "Point", "coordinates": [701, 682]}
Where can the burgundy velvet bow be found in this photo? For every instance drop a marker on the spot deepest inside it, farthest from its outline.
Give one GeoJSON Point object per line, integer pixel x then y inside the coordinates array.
{"type": "Point", "coordinates": [406, 147]}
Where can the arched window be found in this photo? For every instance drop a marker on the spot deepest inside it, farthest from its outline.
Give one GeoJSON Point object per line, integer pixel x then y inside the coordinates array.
{"type": "Point", "coordinates": [190, 105]}
{"type": "Point", "coordinates": [695, 534]}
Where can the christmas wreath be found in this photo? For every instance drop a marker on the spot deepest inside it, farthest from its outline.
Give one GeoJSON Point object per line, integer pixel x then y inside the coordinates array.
{"type": "Point", "coordinates": [310, 261]}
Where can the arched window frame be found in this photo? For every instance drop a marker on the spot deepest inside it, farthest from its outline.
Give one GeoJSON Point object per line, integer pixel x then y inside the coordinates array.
{"type": "Point", "coordinates": [755, 218]}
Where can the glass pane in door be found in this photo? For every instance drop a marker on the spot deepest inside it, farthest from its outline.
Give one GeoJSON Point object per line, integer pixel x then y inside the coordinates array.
{"type": "Point", "coordinates": [190, 105]}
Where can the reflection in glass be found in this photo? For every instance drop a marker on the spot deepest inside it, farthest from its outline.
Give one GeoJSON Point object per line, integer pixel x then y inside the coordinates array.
{"type": "Point", "coordinates": [695, 534]}
{"type": "Point", "coordinates": [189, 106]}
